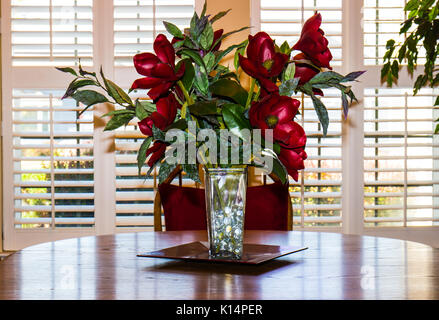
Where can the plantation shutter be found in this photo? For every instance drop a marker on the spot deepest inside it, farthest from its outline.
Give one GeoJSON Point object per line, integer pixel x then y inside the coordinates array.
{"type": "Point", "coordinates": [48, 153]}
{"type": "Point", "coordinates": [317, 195]}
{"type": "Point", "coordinates": [52, 159]}
{"type": "Point", "coordinates": [136, 24]}
{"type": "Point", "coordinates": [401, 152]}
{"type": "Point", "coordinates": [51, 32]}
{"type": "Point", "coordinates": [401, 158]}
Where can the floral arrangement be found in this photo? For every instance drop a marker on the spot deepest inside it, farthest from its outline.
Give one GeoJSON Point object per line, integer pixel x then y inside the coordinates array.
{"type": "Point", "coordinates": [188, 86]}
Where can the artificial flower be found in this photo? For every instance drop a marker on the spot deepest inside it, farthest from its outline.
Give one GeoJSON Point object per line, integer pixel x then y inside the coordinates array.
{"type": "Point", "coordinates": [263, 62]}
{"type": "Point", "coordinates": [293, 160]}
{"type": "Point", "coordinates": [313, 43]}
{"type": "Point", "coordinates": [163, 117]}
{"type": "Point", "coordinates": [159, 69]}
{"type": "Point", "coordinates": [156, 151]}
{"type": "Point", "coordinates": [277, 113]}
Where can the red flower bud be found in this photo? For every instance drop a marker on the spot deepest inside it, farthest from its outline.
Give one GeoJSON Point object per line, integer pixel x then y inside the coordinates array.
{"type": "Point", "coordinates": [313, 43]}
{"type": "Point", "coordinates": [163, 117]}
{"type": "Point", "coordinates": [293, 159]}
{"type": "Point", "coordinates": [156, 151]}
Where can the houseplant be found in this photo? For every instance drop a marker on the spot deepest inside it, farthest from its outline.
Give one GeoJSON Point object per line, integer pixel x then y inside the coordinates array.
{"type": "Point", "coordinates": [421, 29]}
{"type": "Point", "coordinates": [194, 97]}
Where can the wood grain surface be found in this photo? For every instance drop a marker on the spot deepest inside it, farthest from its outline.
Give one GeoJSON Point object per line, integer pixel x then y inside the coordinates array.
{"type": "Point", "coordinates": [335, 266]}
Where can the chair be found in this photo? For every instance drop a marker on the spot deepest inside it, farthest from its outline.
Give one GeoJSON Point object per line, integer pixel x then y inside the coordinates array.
{"type": "Point", "coordinates": [193, 200]}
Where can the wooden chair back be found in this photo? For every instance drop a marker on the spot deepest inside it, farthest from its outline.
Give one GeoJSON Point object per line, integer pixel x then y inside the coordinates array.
{"type": "Point", "coordinates": [178, 172]}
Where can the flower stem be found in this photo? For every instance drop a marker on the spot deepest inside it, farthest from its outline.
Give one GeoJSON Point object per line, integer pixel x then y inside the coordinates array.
{"type": "Point", "coordinates": [250, 93]}
{"type": "Point", "coordinates": [189, 100]}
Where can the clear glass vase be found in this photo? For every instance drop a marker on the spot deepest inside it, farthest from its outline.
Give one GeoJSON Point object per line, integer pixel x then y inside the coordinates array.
{"type": "Point", "coordinates": [225, 207]}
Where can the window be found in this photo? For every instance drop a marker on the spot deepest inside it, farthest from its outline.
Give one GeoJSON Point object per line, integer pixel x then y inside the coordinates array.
{"type": "Point", "coordinates": [59, 170]}
{"type": "Point", "coordinates": [399, 159]}
{"type": "Point", "coordinates": [62, 178]}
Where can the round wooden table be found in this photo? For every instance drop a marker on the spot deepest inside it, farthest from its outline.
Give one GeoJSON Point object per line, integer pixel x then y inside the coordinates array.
{"type": "Point", "coordinates": [335, 266]}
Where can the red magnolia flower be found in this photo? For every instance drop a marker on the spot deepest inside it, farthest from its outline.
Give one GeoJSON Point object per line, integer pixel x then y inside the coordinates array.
{"type": "Point", "coordinates": [313, 43]}
{"type": "Point", "coordinates": [159, 69]}
{"type": "Point", "coordinates": [263, 62]}
{"type": "Point", "coordinates": [216, 35]}
{"type": "Point", "coordinates": [163, 117]}
{"type": "Point", "coordinates": [305, 72]}
{"type": "Point", "coordinates": [156, 151]}
{"type": "Point", "coordinates": [277, 113]}
{"type": "Point", "coordinates": [293, 160]}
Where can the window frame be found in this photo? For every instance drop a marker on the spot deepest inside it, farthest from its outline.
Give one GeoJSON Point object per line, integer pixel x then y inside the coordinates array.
{"type": "Point", "coordinates": [105, 202]}
{"type": "Point", "coordinates": [353, 129]}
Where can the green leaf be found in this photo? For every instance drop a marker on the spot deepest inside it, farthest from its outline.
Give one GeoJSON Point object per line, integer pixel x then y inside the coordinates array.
{"type": "Point", "coordinates": [191, 172]}
{"type": "Point", "coordinates": [219, 15]}
{"type": "Point", "coordinates": [395, 69]}
{"type": "Point", "coordinates": [209, 61]}
{"type": "Point", "coordinates": [406, 26]}
{"type": "Point", "coordinates": [206, 37]}
{"type": "Point", "coordinates": [239, 51]}
{"type": "Point", "coordinates": [141, 155]}
{"type": "Point", "coordinates": [67, 70]}
{"type": "Point", "coordinates": [279, 170]}
{"type": "Point", "coordinates": [179, 124]}
{"type": "Point", "coordinates": [228, 34]}
{"type": "Point", "coordinates": [119, 120]}
{"type": "Point", "coordinates": [289, 72]}
{"type": "Point", "coordinates": [117, 93]}
{"type": "Point", "coordinates": [203, 108]}
{"type": "Point", "coordinates": [419, 83]}
{"type": "Point", "coordinates": [195, 57]}
{"type": "Point", "coordinates": [288, 87]}
{"type": "Point", "coordinates": [141, 112]}
{"type": "Point", "coordinates": [88, 98]}
{"type": "Point", "coordinates": [173, 30]}
{"type": "Point", "coordinates": [411, 5]}
{"type": "Point", "coordinates": [158, 134]}
{"type": "Point", "coordinates": [401, 53]}
{"type": "Point", "coordinates": [233, 115]}
{"type": "Point", "coordinates": [231, 89]}
{"type": "Point", "coordinates": [385, 70]}
{"type": "Point", "coordinates": [194, 22]}
{"type": "Point", "coordinates": [76, 84]}
{"type": "Point", "coordinates": [345, 104]}
{"type": "Point", "coordinates": [203, 11]}
{"type": "Point", "coordinates": [148, 106]}
{"type": "Point", "coordinates": [436, 131]}
{"type": "Point", "coordinates": [222, 54]}
{"type": "Point", "coordinates": [322, 113]}
{"type": "Point", "coordinates": [390, 44]}
{"type": "Point", "coordinates": [201, 81]}
{"type": "Point", "coordinates": [119, 112]}
{"type": "Point", "coordinates": [437, 101]}
{"type": "Point", "coordinates": [352, 76]}
{"type": "Point", "coordinates": [327, 76]}
{"type": "Point", "coordinates": [165, 170]}
{"type": "Point", "coordinates": [285, 48]}
{"type": "Point", "coordinates": [189, 73]}
{"type": "Point", "coordinates": [83, 72]}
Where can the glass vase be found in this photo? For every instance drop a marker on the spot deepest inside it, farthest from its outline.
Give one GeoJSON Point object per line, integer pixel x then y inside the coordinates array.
{"type": "Point", "coordinates": [225, 190]}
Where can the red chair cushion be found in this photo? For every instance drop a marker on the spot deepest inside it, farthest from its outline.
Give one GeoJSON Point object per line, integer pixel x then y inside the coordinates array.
{"type": "Point", "coordinates": [185, 209]}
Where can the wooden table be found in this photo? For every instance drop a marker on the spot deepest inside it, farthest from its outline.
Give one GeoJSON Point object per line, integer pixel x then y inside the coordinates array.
{"type": "Point", "coordinates": [335, 266]}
